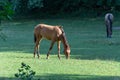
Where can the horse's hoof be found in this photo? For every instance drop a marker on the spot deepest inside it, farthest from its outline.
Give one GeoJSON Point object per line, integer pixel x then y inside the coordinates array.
{"type": "Point", "coordinates": [59, 58]}
{"type": "Point", "coordinates": [47, 58]}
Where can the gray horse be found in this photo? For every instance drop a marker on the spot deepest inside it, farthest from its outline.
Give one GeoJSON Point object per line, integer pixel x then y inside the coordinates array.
{"type": "Point", "coordinates": [108, 22]}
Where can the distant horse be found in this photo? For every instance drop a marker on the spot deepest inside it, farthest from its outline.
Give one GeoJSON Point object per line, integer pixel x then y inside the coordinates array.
{"type": "Point", "coordinates": [53, 33]}
{"type": "Point", "coordinates": [108, 22]}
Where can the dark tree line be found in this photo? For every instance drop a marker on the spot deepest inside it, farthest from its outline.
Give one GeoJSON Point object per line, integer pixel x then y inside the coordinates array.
{"type": "Point", "coordinates": [64, 6]}
{"type": "Point", "coordinates": [81, 6]}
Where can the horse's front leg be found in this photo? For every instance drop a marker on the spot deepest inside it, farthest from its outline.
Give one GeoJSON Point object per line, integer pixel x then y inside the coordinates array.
{"type": "Point", "coordinates": [38, 51]}
{"type": "Point", "coordinates": [34, 51]}
{"type": "Point", "coordinates": [58, 45]}
{"type": "Point", "coordinates": [51, 46]}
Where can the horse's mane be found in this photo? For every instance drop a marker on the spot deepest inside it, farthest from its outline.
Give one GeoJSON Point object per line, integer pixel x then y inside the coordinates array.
{"type": "Point", "coordinates": [61, 28]}
{"type": "Point", "coordinates": [63, 35]}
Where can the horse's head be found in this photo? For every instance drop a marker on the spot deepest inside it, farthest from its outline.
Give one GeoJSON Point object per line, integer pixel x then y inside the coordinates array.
{"type": "Point", "coordinates": [67, 52]}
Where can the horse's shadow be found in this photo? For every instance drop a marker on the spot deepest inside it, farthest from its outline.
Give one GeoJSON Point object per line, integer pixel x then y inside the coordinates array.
{"type": "Point", "coordinates": [75, 77]}
{"type": "Point", "coordinates": [67, 77]}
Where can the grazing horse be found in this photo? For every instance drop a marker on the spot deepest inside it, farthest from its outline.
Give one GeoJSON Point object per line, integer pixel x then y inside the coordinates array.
{"type": "Point", "coordinates": [108, 22]}
{"type": "Point", "coordinates": [53, 33]}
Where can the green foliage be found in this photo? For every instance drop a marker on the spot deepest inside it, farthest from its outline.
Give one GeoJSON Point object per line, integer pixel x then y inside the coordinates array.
{"type": "Point", "coordinates": [80, 6]}
{"type": "Point", "coordinates": [25, 72]}
{"type": "Point", "coordinates": [71, 5]}
{"type": "Point", "coordinates": [117, 2]}
{"type": "Point", "coordinates": [21, 6]}
{"type": "Point", "coordinates": [6, 10]}
{"type": "Point", "coordinates": [5, 13]}
{"type": "Point", "coordinates": [35, 3]}
{"type": "Point", "coordinates": [64, 6]}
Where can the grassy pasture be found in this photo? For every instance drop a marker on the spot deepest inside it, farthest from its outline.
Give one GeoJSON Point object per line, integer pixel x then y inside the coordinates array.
{"type": "Point", "coordinates": [93, 56]}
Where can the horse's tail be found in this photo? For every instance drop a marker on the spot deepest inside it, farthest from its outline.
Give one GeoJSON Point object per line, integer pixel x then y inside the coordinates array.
{"type": "Point", "coordinates": [110, 20]}
{"type": "Point", "coordinates": [35, 38]}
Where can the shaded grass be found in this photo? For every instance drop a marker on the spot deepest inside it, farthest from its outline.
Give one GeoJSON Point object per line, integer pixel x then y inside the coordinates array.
{"type": "Point", "coordinates": [93, 56]}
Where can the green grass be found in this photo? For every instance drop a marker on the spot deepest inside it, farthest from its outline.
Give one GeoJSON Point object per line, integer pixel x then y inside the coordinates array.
{"type": "Point", "coordinates": [93, 56]}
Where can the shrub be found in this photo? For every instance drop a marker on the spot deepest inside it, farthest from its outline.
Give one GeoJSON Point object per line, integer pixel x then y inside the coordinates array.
{"type": "Point", "coordinates": [25, 72]}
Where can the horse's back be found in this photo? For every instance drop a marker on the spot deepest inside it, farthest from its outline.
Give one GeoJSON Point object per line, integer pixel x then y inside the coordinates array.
{"type": "Point", "coordinates": [48, 31]}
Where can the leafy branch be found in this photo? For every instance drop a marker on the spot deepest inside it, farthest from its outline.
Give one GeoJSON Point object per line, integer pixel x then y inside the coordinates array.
{"type": "Point", "coordinates": [25, 72]}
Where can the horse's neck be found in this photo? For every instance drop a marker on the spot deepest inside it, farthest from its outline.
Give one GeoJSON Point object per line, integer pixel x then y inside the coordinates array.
{"type": "Point", "coordinates": [64, 41]}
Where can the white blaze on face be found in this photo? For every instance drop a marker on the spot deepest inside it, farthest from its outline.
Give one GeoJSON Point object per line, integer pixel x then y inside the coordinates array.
{"type": "Point", "coordinates": [67, 53]}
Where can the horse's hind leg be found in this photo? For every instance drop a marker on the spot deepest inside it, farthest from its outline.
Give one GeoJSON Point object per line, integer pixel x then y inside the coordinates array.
{"type": "Point", "coordinates": [51, 46]}
{"type": "Point", "coordinates": [36, 49]}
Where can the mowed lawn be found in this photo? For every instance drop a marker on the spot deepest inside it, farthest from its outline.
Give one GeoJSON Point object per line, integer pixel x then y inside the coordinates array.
{"type": "Point", "coordinates": [93, 56]}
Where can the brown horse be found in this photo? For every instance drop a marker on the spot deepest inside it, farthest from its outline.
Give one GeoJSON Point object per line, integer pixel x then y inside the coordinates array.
{"type": "Point", "coordinates": [53, 33]}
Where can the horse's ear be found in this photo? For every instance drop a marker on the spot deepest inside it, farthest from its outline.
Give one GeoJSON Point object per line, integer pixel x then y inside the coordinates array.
{"type": "Point", "coordinates": [60, 26]}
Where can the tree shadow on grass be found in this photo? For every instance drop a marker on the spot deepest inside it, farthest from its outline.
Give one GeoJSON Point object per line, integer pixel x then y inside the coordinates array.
{"type": "Point", "coordinates": [68, 77]}
{"type": "Point", "coordinates": [6, 78]}
{"type": "Point", "coordinates": [76, 77]}
{"type": "Point", "coordinates": [93, 54]}
{"type": "Point", "coordinates": [96, 57]}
